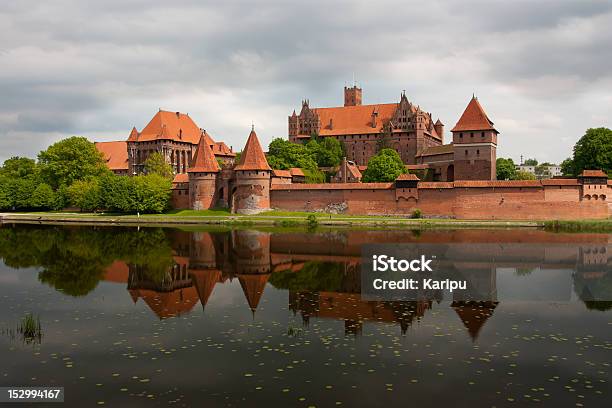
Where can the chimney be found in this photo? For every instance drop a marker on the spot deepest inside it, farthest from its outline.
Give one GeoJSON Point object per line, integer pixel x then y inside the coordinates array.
{"type": "Point", "coordinates": [331, 123]}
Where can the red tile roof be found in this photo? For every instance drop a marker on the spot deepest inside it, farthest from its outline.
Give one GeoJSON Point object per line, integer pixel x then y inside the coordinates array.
{"type": "Point", "coordinates": [473, 118]}
{"type": "Point", "coordinates": [115, 154]}
{"type": "Point", "coordinates": [417, 166]}
{"type": "Point", "coordinates": [117, 272]}
{"type": "Point", "coordinates": [333, 186]}
{"type": "Point", "coordinates": [204, 160]}
{"type": "Point", "coordinates": [281, 173]}
{"type": "Point", "coordinates": [172, 126]}
{"type": "Point", "coordinates": [407, 176]}
{"type": "Point", "coordinates": [593, 173]}
{"type": "Point", "coordinates": [180, 178]}
{"type": "Point", "coordinates": [253, 286]}
{"type": "Point", "coordinates": [221, 149]}
{"type": "Point", "coordinates": [354, 170]}
{"type": "Point", "coordinates": [133, 135]}
{"type": "Point", "coordinates": [559, 182]}
{"type": "Point", "coordinates": [296, 171]}
{"type": "Point", "coordinates": [167, 304]}
{"type": "Point", "coordinates": [252, 157]}
{"type": "Point", "coordinates": [497, 183]}
{"type": "Point", "coordinates": [436, 184]}
{"type": "Point", "coordinates": [436, 150]}
{"type": "Point", "coordinates": [204, 282]}
{"type": "Point", "coordinates": [346, 120]}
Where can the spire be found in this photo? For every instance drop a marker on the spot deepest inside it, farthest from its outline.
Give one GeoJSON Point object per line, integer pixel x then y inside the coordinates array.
{"type": "Point", "coordinates": [204, 160]}
{"type": "Point", "coordinates": [473, 118]}
{"type": "Point", "coordinates": [133, 135]}
{"type": "Point", "coordinates": [474, 315]}
{"type": "Point", "coordinates": [253, 286]}
{"type": "Point", "coordinates": [252, 157]}
{"type": "Point", "coordinates": [205, 281]}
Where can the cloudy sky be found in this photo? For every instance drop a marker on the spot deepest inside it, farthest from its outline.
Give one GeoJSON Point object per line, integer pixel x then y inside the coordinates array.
{"type": "Point", "coordinates": [542, 69]}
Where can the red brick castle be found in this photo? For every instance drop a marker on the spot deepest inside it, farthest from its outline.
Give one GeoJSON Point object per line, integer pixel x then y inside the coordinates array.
{"type": "Point", "coordinates": [464, 186]}
{"type": "Point", "coordinates": [408, 129]}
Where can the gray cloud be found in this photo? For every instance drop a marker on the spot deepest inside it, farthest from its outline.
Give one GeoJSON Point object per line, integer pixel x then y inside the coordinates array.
{"type": "Point", "coordinates": [541, 68]}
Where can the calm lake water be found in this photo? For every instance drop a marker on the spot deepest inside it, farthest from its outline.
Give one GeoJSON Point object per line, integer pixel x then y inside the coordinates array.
{"type": "Point", "coordinates": [157, 317]}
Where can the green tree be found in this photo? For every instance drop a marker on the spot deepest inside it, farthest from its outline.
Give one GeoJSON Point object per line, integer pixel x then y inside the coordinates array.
{"type": "Point", "coordinates": [19, 167]}
{"type": "Point", "coordinates": [6, 201]}
{"type": "Point", "coordinates": [156, 164]}
{"type": "Point", "coordinates": [69, 160]}
{"type": "Point", "coordinates": [593, 151]}
{"type": "Point", "coordinates": [567, 167]}
{"type": "Point", "coordinates": [85, 194]}
{"type": "Point", "coordinates": [43, 197]}
{"type": "Point", "coordinates": [149, 194]}
{"type": "Point", "coordinates": [314, 176]}
{"type": "Point", "coordinates": [327, 152]}
{"type": "Point", "coordinates": [283, 155]}
{"type": "Point", "coordinates": [531, 162]}
{"type": "Point", "coordinates": [115, 193]}
{"type": "Point", "coordinates": [22, 190]}
{"type": "Point", "coordinates": [386, 165]}
{"type": "Point", "coordinates": [524, 175]}
{"type": "Point", "coordinates": [506, 170]}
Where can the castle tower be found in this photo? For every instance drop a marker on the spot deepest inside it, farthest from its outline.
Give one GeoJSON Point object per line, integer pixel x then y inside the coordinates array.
{"type": "Point", "coordinates": [203, 177]}
{"type": "Point", "coordinates": [474, 144]}
{"type": "Point", "coordinates": [352, 96]}
{"type": "Point", "coordinates": [251, 193]}
{"type": "Point", "coordinates": [439, 126]}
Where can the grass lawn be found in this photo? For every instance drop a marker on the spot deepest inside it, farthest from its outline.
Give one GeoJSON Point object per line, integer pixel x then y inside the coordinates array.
{"type": "Point", "coordinates": [221, 212]}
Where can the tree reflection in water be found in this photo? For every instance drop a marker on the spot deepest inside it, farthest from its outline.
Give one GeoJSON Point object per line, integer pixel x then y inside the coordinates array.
{"type": "Point", "coordinates": [173, 270]}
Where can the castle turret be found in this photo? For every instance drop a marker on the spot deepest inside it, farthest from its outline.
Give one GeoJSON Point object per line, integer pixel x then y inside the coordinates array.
{"type": "Point", "coordinates": [203, 177]}
{"type": "Point", "coordinates": [252, 186]}
{"type": "Point", "coordinates": [439, 126]}
{"type": "Point", "coordinates": [352, 96]}
{"type": "Point", "coordinates": [474, 144]}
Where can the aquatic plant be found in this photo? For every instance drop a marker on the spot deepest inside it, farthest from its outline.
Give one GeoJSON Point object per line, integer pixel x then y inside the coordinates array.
{"type": "Point", "coordinates": [312, 221]}
{"type": "Point", "coordinates": [294, 331]}
{"type": "Point", "coordinates": [30, 328]}
{"type": "Point", "coordinates": [579, 226]}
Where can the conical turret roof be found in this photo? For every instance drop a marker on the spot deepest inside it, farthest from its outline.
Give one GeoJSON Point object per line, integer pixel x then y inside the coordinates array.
{"type": "Point", "coordinates": [133, 135]}
{"type": "Point", "coordinates": [252, 157]}
{"type": "Point", "coordinates": [204, 160]}
{"type": "Point", "coordinates": [473, 118]}
{"type": "Point", "coordinates": [205, 281]}
{"type": "Point", "coordinates": [253, 286]}
{"type": "Point", "coordinates": [474, 315]}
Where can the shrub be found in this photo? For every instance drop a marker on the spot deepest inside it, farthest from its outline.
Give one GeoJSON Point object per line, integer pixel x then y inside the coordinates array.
{"type": "Point", "coordinates": [416, 213]}
{"type": "Point", "coordinates": [312, 221]}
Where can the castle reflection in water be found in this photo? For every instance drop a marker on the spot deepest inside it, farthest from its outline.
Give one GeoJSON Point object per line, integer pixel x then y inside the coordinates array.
{"type": "Point", "coordinates": [204, 260]}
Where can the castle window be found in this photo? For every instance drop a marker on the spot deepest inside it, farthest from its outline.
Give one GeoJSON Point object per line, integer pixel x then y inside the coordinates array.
{"type": "Point", "coordinates": [477, 152]}
{"type": "Point", "coordinates": [471, 134]}
{"type": "Point", "coordinates": [482, 134]}
{"type": "Point", "coordinates": [466, 152]}
{"type": "Point", "coordinates": [461, 135]}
